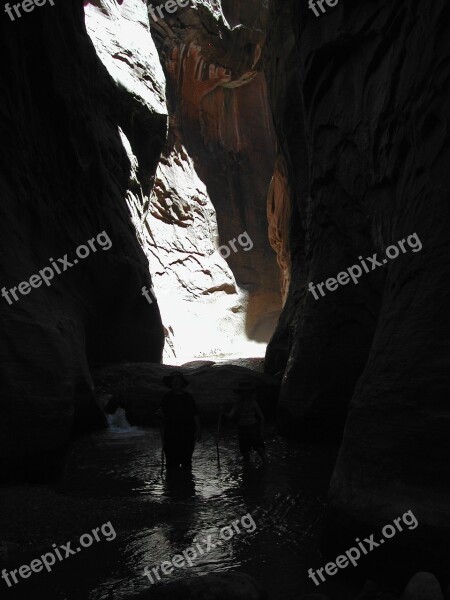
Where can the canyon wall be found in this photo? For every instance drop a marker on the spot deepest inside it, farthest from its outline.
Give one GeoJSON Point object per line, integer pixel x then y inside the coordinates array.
{"type": "Point", "coordinates": [360, 96]}
{"type": "Point", "coordinates": [167, 181]}
{"type": "Point", "coordinates": [209, 190]}
{"type": "Point", "coordinates": [65, 178]}
{"type": "Point", "coordinates": [220, 155]}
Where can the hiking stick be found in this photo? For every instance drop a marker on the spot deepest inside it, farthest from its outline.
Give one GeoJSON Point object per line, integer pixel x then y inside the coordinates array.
{"type": "Point", "coordinates": [162, 449]}
{"type": "Point", "coordinates": [218, 434]}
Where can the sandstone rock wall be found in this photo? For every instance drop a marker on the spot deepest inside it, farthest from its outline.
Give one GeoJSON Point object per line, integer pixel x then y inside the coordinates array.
{"type": "Point", "coordinates": [220, 118]}
{"type": "Point", "coordinates": [64, 178]}
{"type": "Point", "coordinates": [362, 114]}
{"type": "Point", "coordinates": [92, 118]}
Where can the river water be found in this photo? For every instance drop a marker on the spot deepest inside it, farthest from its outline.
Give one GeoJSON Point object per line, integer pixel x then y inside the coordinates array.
{"type": "Point", "coordinates": [117, 475]}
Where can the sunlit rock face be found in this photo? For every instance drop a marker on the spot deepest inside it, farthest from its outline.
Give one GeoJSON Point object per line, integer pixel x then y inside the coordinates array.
{"type": "Point", "coordinates": [202, 308]}
{"type": "Point", "coordinates": [362, 115]}
{"type": "Point", "coordinates": [279, 211]}
{"type": "Point", "coordinates": [212, 183]}
{"type": "Point", "coordinates": [65, 178]}
{"type": "Point", "coordinates": [287, 230]}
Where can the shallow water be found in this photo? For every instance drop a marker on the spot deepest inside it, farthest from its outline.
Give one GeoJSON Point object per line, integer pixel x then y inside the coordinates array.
{"type": "Point", "coordinates": [156, 517]}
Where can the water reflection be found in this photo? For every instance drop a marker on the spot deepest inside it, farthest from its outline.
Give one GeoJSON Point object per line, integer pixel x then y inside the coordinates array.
{"type": "Point", "coordinates": [162, 514]}
{"type": "Point", "coordinates": [179, 485]}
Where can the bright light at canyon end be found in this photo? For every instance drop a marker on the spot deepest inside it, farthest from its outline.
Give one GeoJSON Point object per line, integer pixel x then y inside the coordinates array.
{"type": "Point", "coordinates": [201, 329]}
{"type": "Point", "coordinates": [213, 265]}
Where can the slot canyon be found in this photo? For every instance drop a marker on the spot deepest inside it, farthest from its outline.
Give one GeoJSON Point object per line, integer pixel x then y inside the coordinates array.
{"type": "Point", "coordinates": [240, 204]}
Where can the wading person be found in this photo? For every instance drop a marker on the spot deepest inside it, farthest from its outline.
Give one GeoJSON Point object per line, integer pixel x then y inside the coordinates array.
{"type": "Point", "coordinates": [181, 425]}
{"type": "Point", "coordinates": [250, 420]}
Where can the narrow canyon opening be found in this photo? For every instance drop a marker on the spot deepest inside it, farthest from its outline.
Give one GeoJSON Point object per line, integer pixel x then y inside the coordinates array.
{"type": "Point", "coordinates": [206, 225]}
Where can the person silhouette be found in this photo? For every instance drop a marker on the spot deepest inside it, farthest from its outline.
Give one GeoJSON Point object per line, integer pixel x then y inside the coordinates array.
{"type": "Point", "coordinates": [250, 419]}
{"type": "Point", "coordinates": [181, 423]}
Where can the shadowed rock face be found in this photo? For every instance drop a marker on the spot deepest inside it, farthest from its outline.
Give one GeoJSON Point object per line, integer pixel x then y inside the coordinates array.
{"type": "Point", "coordinates": [64, 179]}
{"type": "Point", "coordinates": [361, 104]}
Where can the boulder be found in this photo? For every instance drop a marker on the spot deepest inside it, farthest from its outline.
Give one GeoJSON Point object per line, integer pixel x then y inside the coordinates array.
{"type": "Point", "coordinates": [139, 388]}
{"type": "Point", "coordinates": [423, 586]}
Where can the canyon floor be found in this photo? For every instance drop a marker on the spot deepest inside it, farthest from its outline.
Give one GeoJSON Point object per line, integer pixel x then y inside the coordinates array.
{"type": "Point", "coordinates": [116, 476]}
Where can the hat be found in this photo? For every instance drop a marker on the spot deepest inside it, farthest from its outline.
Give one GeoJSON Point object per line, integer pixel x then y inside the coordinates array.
{"type": "Point", "coordinates": [244, 387]}
{"type": "Point", "coordinates": [168, 378]}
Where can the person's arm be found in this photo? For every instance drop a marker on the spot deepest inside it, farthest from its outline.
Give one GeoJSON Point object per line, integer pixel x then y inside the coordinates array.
{"type": "Point", "coordinates": [260, 416]}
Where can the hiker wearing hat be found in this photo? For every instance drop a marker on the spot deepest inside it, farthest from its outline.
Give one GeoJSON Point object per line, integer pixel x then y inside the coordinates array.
{"type": "Point", "coordinates": [181, 425]}
{"type": "Point", "coordinates": [250, 421]}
